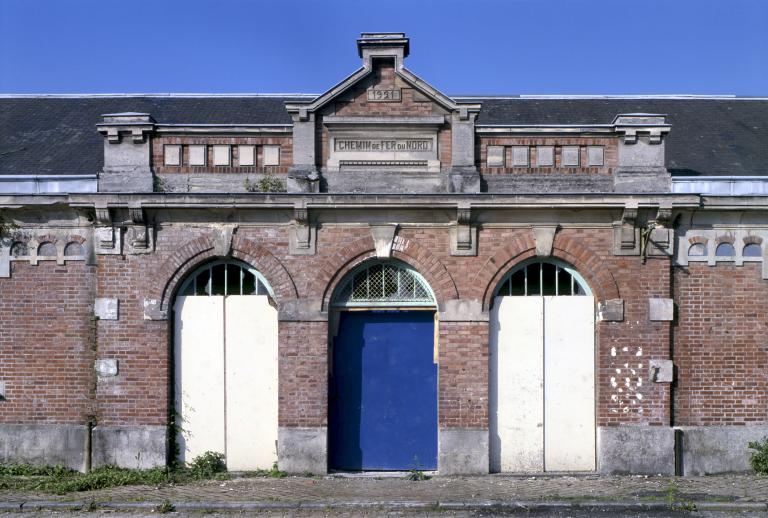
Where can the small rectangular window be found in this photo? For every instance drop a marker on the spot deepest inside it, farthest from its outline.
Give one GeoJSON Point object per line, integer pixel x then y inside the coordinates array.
{"type": "Point", "coordinates": [172, 155]}
{"type": "Point", "coordinates": [246, 156]}
{"type": "Point", "coordinates": [221, 155]}
{"type": "Point", "coordinates": [595, 155]}
{"type": "Point", "coordinates": [545, 156]}
{"type": "Point", "coordinates": [196, 155]}
{"type": "Point", "coordinates": [570, 156]}
{"type": "Point", "coordinates": [271, 155]}
{"type": "Point", "coordinates": [495, 156]}
{"type": "Point", "coordinates": [520, 156]}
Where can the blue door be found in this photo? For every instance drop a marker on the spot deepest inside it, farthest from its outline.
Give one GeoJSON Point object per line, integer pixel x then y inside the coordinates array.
{"type": "Point", "coordinates": [383, 392]}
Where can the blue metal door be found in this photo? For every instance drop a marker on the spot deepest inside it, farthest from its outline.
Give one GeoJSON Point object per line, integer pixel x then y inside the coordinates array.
{"type": "Point", "coordinates": [383, 392]}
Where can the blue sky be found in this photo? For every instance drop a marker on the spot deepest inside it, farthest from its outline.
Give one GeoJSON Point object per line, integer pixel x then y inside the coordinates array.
{"type": "Point", "coordinates": [461, 47]}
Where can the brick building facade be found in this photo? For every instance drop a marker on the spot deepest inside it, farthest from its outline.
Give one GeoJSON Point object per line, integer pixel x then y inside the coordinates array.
{"type": "Point", "coordinates": [651, 209]}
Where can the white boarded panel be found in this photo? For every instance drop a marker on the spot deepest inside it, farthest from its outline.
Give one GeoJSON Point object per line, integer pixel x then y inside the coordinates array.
{"type": "Point", "coordinates": [569, 387]}
{"type": "Point", "coordinates": [516, 385]}
{"type": "Point", "coordinates": [199, 365]}
{"type": "Point", "coordinates": [251, 364]}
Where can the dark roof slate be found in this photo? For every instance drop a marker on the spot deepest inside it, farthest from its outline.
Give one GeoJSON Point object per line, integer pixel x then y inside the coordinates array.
{"type": "Point", "coordinates": [57, 135]}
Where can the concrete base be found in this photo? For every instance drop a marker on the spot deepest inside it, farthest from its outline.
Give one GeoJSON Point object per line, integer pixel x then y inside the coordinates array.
{"type": "Point", "coordinates": [642, 180]}
{"type": "Point", "coordinates": [549, 182]}
{"type": "Point", "coordinates": [301, 450]}
{"type": "Point", "coordinates": [125, 179]}
{"type": "Point", "coordinates": [212, 182]}
{"type": "Point", "coordinates": [463, 451]}
{"type": "Point", "coordinates": [384, 181]}
{"type": "Point", "coordinates": [49, 444]}
{"type": "Point", "coordinates": [709, 450]}
{"type": "Point", "coordinates": [140, 447]}
{"type": "Point", "coordinates": [636, 450]}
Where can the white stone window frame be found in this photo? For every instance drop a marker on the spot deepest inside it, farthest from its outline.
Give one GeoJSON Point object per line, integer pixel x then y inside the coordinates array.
{"type": "Point", "coordinates": [222, 155]}
{"type": "Point", "coordinates": [564, 150]}
{"type": "Point", "coordinates": [595, 162]}
{"type": "Point", "coordinates": [738, 237]}
{"type": "Point", "coordinates": [204, 148]}
{"type": "Point", "coordinates": [499, 156]}
{"type": "Point", "coordinates": [521, 156]}
{"type": "Point", "coordinates": [166, 155]}
{"type": "Point", "coordinates": [266, 158]}
{"type": "Point", "coordinates": [550, 162]}
{"type": "Point", "coordinates": [246, 150]}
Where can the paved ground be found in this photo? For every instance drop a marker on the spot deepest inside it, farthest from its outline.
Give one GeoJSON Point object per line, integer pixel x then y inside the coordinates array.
{"type": "Point", "coordinates": [371, 496]}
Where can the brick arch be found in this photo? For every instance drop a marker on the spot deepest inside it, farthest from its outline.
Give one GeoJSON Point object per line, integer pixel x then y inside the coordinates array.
{"type": "Point", "coordinates": [413, 254]}
{"type": "Point", "coordinates": [589, 265]}
{"type": "Point", "coordinates": [168, 276]}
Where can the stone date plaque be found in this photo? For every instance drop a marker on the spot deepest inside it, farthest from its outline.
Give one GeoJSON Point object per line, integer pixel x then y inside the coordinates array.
{"type": "Point", "coordinates": [384, 96]}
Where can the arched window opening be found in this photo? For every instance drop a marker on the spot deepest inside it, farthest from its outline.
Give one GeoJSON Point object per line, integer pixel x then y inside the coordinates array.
{"type": "Point", "coordinates": [74, 249]}
{"type": "Point", "coordinates": [542, 278]}
{"type": "Point", "coordinates": [225, 278]}
{"type": "Point", "coordinates": [725, 250]}
{"type": "Point", "coordinates": [19, 249]}
{"type": "Point", "coordinates": [47, 250]}
{"type": "Point", "coordinates": [697, 250]}
{"type": "Point", "coordinates": [378, 283]}
{"type": "Point", "coordinates": [752, 250]}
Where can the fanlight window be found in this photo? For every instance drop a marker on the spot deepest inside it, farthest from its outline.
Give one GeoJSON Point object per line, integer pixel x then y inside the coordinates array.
{"type": "Point", "coordinates": [225, 278]}
{"type": "Point", "coordinates": [541, 278]}
{"type": "Point", "coordinates": [384, 284]}
{"type": "Point", "coordinates": [752, 250]}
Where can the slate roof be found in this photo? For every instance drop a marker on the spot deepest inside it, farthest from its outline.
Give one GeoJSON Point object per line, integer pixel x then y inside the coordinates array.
{"type": "Point", "coordinates": [57, 135]}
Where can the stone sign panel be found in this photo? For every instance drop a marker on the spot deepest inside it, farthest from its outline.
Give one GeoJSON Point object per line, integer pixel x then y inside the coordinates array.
{"type": "Point", "coordinates": [383, 145]}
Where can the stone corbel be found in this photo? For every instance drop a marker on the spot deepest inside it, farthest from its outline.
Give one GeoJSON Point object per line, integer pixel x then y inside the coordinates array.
{"type": "Point", "coordinates": [302, 233]}
{"type": "Point", "coordinates": [463, 233]}
{"type": "Point", "coordinates": [138, 233]}
{"type": "Point", "coordinates": [662, 236]}
{"type": "Point", "coordinates": [625, 232]}
{"type": "Point", "coordinates": [107, 237]}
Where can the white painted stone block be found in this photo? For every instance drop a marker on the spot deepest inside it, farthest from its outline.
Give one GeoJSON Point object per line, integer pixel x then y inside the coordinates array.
{"type": "Point", "coordinates": [221, 155]}
{"type": "Point", "coordinates": [570, 155]}
{"type": "Point", "coordinates": [595, 156]}
{"type": "Point", "coordinates": [106, 367]}
{"type": "Point", "coordinates": [172, 155]}
{"type": "Point", "coordinates": [106, 309]}
{"type": "Point", "coordinates": [196, 155]}
{"type": "Point", "coordinates": [545, 156]}
{"type": "Point", "coordinates": [661, 371]}
{"type": "Point", "coordinates": [246, 155]}
{"type": "Point", "coordinates": [271, 155]}
{"type": "Point", "coordinates": [495, 156]}
{"type": "Point", "coordinates": [2, 390]}
{"type": "Point", "coordinates": [520, 156]}
{"type": "Point", "coordinates": [661, 310]}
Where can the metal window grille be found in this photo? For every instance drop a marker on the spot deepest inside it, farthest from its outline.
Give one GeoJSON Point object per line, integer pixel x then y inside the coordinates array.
{"type": "Point", "coordinates": [542, 278]}
{"type": "Point", "coordinates": [381, 284]}
{"type": "Point", "coordinates": [225, 278]}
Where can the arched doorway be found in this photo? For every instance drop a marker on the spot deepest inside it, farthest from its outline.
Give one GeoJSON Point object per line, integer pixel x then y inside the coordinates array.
{"type": "Point", "coordinates": [383, 372]}
{"type": "Point", "coordinates": [542, 380]}
{"type": "Point", "coordinates": [225, 362]}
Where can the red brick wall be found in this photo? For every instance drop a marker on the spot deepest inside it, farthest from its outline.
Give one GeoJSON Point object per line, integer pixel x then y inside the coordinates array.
{"type": "Point", "coordinates": [46, 343]}
{"type": "Point", "coordinates": [285, 143]}
{"type": "Point", "coordinates": [721, 345]}
{"type": "Point", "coordinates": [140, 394]}
{"type": "Point", "coordinates": [610, 154]}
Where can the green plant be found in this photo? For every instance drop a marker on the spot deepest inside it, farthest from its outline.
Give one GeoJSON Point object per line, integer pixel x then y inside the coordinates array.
{"type": "Point", "coordinates": [274, 472]}
{"type": "Point", "coordinates": [759, 458]}
{"type": "Point", "coordinates": [416, 475]}
{"type": "Point", "coordinates": [165, 507]}
{"type": "Point", "coordinates": [207, 465]}
{"type": "Point", "coordinates": [267, 183]}
{"type": "Point", "coordinates": [158, 184]}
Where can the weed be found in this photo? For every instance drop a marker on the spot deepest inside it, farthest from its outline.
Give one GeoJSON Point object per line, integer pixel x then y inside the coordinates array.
{"type": "Point", "coordinates": [158, 184]}
{"type": "Point", "coordinates": [207, 465]}
{"type": "Point", "coordinates": [165, 507]}
{"type": "Point", "coordinates": [267, 183]}
{"type": "Point", "coordinates": [274, 472]}
{"type": "Point", "coordinates": [759, 458]}
{"type": "Point", "coordinates": [416, 475]}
